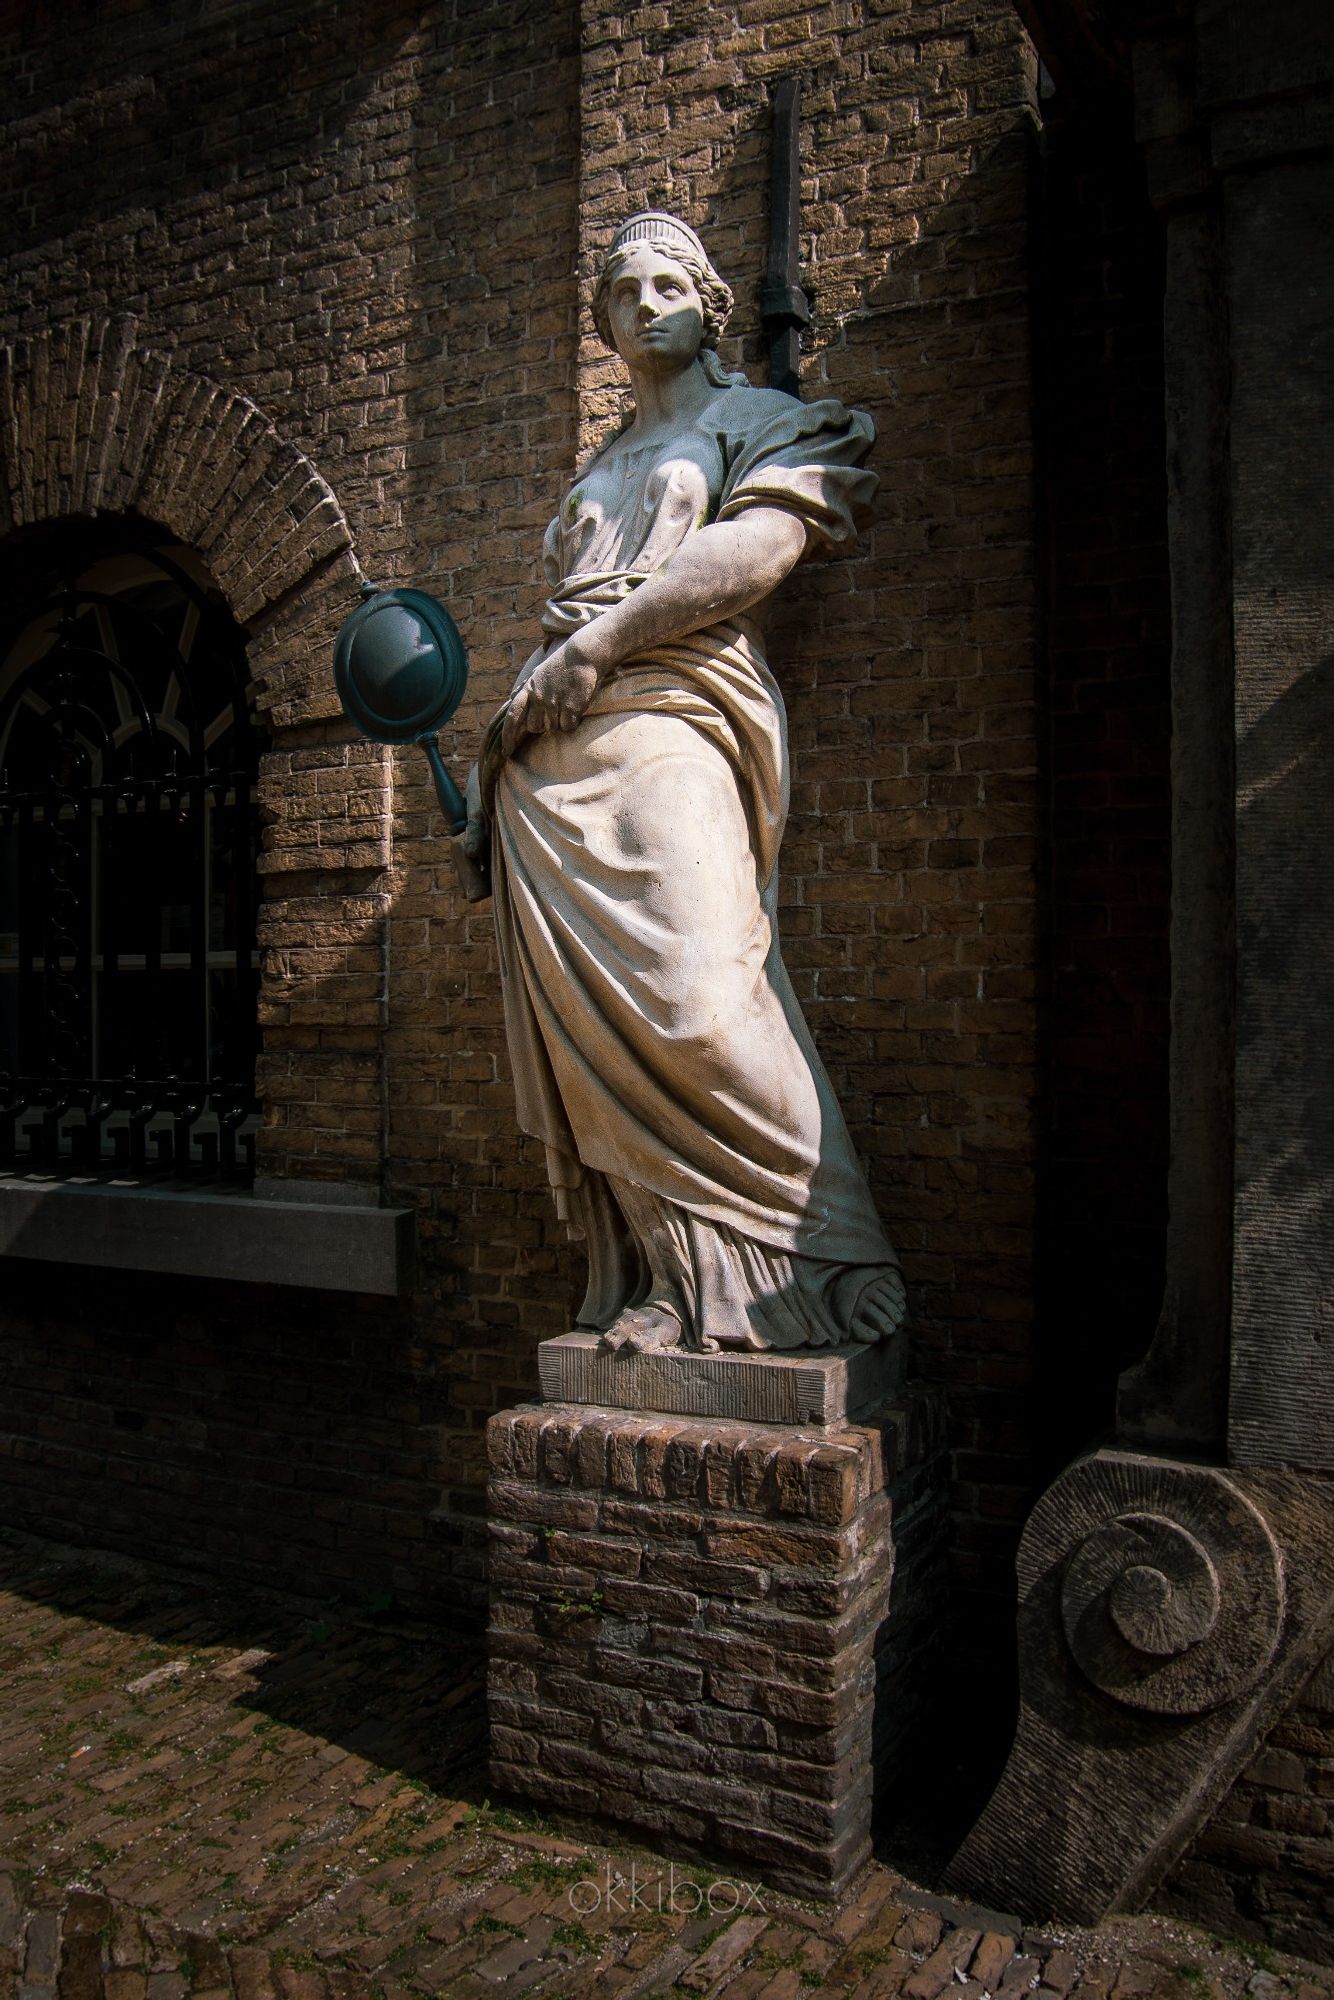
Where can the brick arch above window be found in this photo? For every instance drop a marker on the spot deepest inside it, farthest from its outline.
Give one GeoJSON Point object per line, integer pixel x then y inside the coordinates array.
{"type": "Point", "coordinates": [91, 421]}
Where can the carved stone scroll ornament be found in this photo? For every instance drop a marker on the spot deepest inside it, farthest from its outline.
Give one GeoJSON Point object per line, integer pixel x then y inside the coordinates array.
{"type": "Point", "coordinates": [1167, 1613]}
{"type": "Point", "coordinates": [1174, 1606]}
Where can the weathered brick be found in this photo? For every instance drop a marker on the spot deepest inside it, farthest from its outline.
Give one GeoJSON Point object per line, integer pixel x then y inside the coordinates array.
{"type": "Point", "coordinates": [656, 1440]}
{"type": "Point", "coordinates": [556, 1449]}
{"type": "Point", "coordinates": [696, 1682]}
{"type": "Point", "coordinates": [694, 1572]}
{"type": "Point", "coordinates": [545, 1506]}
{"type": "Point", "coordinates": [604, 1554]}
{"type": "Point", "coordinates": [837, 1480]}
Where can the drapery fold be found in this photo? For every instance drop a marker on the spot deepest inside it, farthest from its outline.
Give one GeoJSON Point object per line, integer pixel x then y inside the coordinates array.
{"type": "Point", "coordinates": [652, 1028]}
{"type": "Point", "coordinates": [692, 1136]}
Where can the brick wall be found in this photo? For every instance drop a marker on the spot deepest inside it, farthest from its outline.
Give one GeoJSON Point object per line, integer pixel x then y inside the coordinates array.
{"type": "Point", "coordinates": [371, 220]}
{"type": "Point", "coordinates": [364, 219]}
{"type": "Point", "coordinates": [1262, 1867]}
{"type": "Point", "coordinates": [286, 1436]}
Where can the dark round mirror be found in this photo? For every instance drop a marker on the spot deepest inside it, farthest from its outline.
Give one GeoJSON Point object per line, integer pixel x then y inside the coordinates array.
{"type": "Point", "coordinates": [400, 666]}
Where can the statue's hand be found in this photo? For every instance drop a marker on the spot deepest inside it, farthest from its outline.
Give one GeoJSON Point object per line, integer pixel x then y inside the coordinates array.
{"type": "Point", "coordinates": [529, 667]}
{"type": "Point", "coordinates": [554, 696]}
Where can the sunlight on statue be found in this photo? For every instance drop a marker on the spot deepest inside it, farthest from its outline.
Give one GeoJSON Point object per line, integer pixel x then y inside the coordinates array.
{"type": "Point", "coordinates": [634, 790]}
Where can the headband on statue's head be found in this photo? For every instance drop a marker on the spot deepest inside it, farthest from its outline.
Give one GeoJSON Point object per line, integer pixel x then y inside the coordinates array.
{"type": "Point", "coordinates": [654, 225]}
{"type": "Point", "coordinates": [678, 240]}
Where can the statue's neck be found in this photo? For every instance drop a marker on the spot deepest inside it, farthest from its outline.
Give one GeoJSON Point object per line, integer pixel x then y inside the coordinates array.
{"type": "Point", "coordinates": [667, 403]}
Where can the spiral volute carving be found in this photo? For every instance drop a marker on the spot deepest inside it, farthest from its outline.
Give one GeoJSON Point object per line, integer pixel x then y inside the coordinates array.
{"type": "Point", "coordinates": [1172, 1595]}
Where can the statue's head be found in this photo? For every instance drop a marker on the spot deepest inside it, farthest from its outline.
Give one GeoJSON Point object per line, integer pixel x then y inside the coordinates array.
{"type": "Point", "coordinates": [675, 243]}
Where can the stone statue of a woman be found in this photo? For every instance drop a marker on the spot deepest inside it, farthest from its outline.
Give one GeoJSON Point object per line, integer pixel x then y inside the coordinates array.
{"type": "Point", "coordinates": [637, 783]}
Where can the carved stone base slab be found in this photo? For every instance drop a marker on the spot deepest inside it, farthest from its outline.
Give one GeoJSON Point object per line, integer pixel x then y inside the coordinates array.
{"type": "Point", "coordinates": [819, 1387]}
{"type": "Point", "coordinates": [719, 1634]}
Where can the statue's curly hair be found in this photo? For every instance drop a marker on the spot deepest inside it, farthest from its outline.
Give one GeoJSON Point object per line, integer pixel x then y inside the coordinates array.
{"type": "Point", "coordinates": [715, 297]}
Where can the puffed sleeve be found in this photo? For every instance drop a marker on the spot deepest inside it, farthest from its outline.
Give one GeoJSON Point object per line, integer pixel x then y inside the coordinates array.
{"type": "Point", "coordinates": [806, 457]}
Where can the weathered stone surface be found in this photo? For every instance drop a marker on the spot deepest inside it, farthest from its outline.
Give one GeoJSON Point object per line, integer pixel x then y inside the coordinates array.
{"type": "Point", "coordinates": [938, 1971]}
{"type": "Point", "coordinates": [827, 1387]}
{"type": "Point", "coordinates": [1168, 1616]}
{"type": "Point", "coordinates": [711, 1966]}
{"type": "Point", "coordinates": [1281, 1401]}
{"type": "Point", "coordinates": [991, 1960]}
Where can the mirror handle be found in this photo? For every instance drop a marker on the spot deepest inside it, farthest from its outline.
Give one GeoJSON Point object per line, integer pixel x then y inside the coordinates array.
{"type": "Point", "coordinates": [448, 793]}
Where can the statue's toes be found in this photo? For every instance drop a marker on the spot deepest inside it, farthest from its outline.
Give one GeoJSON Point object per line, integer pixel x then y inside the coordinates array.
{"type": "Point", "coordinates": [654, 1330]}
{"type": "Point", "coordinates": [883, 1307]}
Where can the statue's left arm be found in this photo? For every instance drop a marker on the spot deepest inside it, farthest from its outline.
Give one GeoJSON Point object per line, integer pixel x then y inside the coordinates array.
{"type": "Point", "coordinates": [717, 573]}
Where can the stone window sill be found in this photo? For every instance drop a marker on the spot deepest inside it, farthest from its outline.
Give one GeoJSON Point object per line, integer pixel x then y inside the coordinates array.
{"type": "Point", "coordinates": [312, 1234]}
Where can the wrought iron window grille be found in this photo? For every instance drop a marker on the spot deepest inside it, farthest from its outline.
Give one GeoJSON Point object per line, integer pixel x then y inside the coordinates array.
{"type": "Point", "coordinates": [129, 752]}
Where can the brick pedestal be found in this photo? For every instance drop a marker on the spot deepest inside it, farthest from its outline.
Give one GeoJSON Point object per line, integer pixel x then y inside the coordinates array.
{"type": "Point", "coordinates": [713, 1632]}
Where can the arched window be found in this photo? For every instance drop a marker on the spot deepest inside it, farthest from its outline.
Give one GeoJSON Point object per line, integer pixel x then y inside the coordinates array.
{"type": "Point", "coordinates": [129, 749]}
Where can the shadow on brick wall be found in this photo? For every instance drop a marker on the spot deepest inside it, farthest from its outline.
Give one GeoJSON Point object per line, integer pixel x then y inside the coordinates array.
{"type": "Point", "coordinates": [262, 1434]}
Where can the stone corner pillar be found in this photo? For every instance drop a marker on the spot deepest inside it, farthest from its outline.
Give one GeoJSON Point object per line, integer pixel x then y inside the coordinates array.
{"type": "Point", "coordinates": [1170, 1609]}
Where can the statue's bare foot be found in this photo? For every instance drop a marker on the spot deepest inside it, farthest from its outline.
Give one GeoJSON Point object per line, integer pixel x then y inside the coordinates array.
{"type": "Point", "coordinates": [644, 1328]}
{"type": "Point", "coordinates": [882, 1308]}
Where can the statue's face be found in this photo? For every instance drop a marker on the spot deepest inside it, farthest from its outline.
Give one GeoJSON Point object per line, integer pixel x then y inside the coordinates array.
{"type": "Point", "coordinates": [657, 321]}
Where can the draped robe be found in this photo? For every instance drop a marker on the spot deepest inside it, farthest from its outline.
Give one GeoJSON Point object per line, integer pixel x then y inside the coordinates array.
{"type": "Point", "coordinates": [659, 1053]}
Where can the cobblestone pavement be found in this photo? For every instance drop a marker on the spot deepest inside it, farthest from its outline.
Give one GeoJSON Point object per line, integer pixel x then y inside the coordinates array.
{"type": "Point", "coordinates": [214, 1792]}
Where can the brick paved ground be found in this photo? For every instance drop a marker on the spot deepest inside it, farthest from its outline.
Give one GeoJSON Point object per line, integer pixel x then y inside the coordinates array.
{"type": "Point", "coordinates": [220, 1793]}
